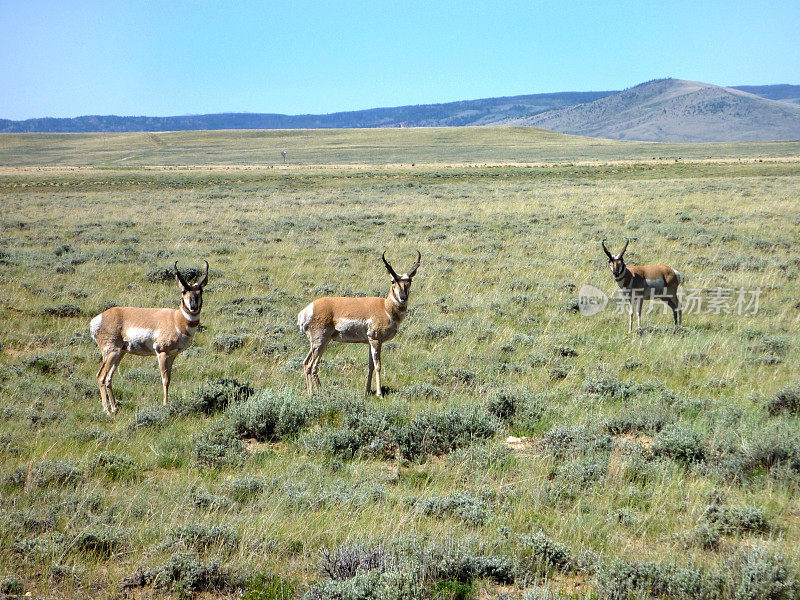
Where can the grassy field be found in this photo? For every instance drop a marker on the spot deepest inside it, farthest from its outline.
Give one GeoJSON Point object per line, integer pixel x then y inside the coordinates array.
{"type": "Point", "coordinates": [652, 464]}
{"type": "Point", "coordinates": [429, 146]}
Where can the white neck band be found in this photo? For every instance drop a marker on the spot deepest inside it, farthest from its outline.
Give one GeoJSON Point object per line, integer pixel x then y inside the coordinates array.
{"type": "Point", "coordinates": [188, 316]}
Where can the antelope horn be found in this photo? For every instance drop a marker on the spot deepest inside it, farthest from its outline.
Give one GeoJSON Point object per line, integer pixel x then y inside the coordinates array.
{"type": "Point", "coordinates": [416, 265]}
{"type": "Point", "coordinates": [181, 280]}
{"type": "Point", "coordinates": [625, 248]}
{"type": "Point", "coordinates": [203, 281]}
{"type": "Point", "coordinates": [389, 267]}
{"type": "Point", "coordinates": [603, 243]}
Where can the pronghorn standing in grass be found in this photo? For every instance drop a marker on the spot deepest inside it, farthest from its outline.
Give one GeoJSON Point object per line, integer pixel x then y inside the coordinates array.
{"type": "Point", "coordinates": [370, 321]}
{"type": "Point", "coordinates": [651, 282]}
{"type": "Point", "coordinates": [144, 332]}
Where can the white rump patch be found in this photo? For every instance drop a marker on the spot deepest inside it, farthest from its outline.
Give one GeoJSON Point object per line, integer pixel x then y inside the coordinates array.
{"type": "Point", "coordinates": [304, 317]}
{"type": "Point", "coordinates": [677, 275]}
{"type": "Point", "coordinates": [94, 326]}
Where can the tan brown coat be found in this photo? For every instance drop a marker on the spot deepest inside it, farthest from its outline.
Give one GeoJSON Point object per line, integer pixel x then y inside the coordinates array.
{"type": "Point", "coordinates": [162, 332]}
{"type": "Point", "coordinates": [371, 321]}
{"type": "Point", "coordinates": [143, 331]}
{"type": "Point", "coordinates": [646, 282]}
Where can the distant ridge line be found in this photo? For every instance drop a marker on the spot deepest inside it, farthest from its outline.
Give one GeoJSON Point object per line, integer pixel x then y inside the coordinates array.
{"type": "Point", "coordinates": [663, 109]}
{"type": "Point", "coordinates": [451, 114]}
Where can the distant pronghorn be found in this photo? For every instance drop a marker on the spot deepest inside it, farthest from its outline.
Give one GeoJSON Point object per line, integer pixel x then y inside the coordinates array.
{"type": "Point", "coordinates": [144, 332]}
{"type": "Point", "coordinates": [646, 282]}
{"type": "Point", "coordinates": [370, 321]}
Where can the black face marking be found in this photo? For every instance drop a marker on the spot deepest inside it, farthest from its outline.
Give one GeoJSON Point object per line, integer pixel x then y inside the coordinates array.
{"type": "Point", "coordinates": [401, 287]}
{"type": "Point", "coordinates": [617, 266]}
{"type": "Point", "coordinates": [192, 295]}
{"type": "Point", "coordinates": [193, 299]}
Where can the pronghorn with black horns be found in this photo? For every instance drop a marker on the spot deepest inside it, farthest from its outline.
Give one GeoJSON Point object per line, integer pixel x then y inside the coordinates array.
{"type": "Point", "coordinates": [645, 282]}
{"type": "Point", "coordinates": [370, 321]}
{"type": "Point", "coordinates": [162, 332]}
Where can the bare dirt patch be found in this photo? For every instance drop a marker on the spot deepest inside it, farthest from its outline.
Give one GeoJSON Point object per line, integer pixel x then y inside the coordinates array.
{"type": "Point", "coordinates": [253, 446]}
{"type": "Point", "coordinates": [643, 440]}
{"type": "Point", "coordinates": [520, 445]}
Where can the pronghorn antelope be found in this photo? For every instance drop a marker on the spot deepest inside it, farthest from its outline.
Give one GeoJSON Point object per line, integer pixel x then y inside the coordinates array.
{"type": "Point", "coordinates": [370, 321]}
{"type": "Point", "coordinates": [641, 282]}
{"type": "Point", "coordinates": [146, 331]}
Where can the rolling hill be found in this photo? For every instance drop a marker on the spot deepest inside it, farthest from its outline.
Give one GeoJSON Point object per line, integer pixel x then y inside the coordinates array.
{"type": "Point", "coordinates": [674, 110]}
{"type": "Point", "coordinates": [452, 114]}
{"type": "Point", "coordinates": [787, 93]}
{"type": "Point", "coordinates": [664, 110]}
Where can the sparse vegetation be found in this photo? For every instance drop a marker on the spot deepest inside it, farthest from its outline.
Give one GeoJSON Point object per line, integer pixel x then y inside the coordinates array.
{"type": "Point", "coordinates": [653, 465]}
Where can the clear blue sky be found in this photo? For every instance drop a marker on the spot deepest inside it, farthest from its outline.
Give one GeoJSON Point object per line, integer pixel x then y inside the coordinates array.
{"type": "Point", "coordinates": [69, 58]}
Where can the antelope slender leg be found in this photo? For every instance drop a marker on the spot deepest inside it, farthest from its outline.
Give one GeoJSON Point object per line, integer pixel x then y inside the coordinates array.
{"type": "Point", "coordinates": [375, 352]}
{"type": "Point", "coordinates": [307, 368]}
{"type": "Point", "coordinates": [114, 357]}
{"type": "Point", "coordinates": [315, 371]}
{"type": "Point", "coordinates": [317, 352]}
{"type": "Point", "coordinates": [370, 368]}
{"type": "Point", "coordinates": [630, 320]}
{"type": "Point", "coordinates": [165, 365]}
{"type": "Point", "coordinates": [677, 315]}
{"type": "Point", "coordinates": [639, 304]}
{"type": "Point", "coordinates": [101, 384]}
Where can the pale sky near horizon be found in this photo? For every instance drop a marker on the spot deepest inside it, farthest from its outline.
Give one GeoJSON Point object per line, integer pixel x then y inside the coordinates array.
{"type": "Point", "coordinates": [66, 59]}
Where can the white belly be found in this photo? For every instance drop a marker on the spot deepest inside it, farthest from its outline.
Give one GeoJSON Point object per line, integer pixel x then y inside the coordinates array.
{"type": "Point", "coordinates": [351, 330]}
{"type": "Point", "coordinates": [139, 340]}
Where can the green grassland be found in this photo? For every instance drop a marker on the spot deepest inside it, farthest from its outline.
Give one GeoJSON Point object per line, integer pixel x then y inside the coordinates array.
{"type": "Point", "coordinates": [470, 145]}
{"type": "Point", "coordinates": [652, 464]}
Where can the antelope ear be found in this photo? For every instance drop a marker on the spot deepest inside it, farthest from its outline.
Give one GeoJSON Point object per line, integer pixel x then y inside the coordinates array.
{"type": "Point", "coordinates": [181, 280]}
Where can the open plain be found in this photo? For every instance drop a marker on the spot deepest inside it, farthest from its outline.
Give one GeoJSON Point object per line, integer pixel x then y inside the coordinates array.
{"type": "Point", "coordinates": [522, 450]}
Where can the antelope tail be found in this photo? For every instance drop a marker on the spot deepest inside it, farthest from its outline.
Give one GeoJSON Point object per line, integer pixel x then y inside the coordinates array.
{"type": "Point", "coordinates": [304, 318]}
